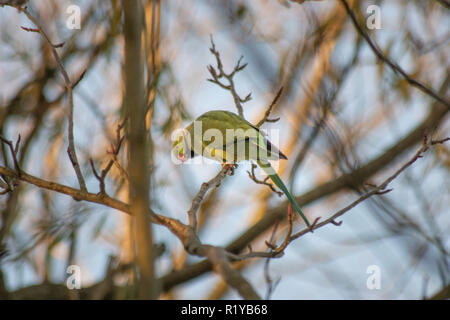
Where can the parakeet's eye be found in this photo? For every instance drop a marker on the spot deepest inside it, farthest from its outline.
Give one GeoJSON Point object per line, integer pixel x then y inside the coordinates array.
{"type": "Point", "coordinates": [181, 156]}
{"type": "Point", "coordinates": [180, 151]}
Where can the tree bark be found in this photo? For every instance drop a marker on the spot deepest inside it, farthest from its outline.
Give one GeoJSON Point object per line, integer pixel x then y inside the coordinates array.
{"type": "Point", "coordinates": [139, 188]}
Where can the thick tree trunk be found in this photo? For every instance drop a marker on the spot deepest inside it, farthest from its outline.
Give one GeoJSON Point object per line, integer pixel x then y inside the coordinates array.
{"type": "Point", "coordinates": [139, 188]}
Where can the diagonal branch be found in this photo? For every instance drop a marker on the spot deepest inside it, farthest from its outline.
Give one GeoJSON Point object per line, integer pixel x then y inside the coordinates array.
{"type": "Point", "coordinates": [197, 201]}
{"type": "Point", "coordinates": [394, 66]}
{"type": "Point", "coordinates": [378, 190]}
{"type": "Point", "coordinates": [269, 110]}
{"type": "Point", "coordinates": [231, 276]}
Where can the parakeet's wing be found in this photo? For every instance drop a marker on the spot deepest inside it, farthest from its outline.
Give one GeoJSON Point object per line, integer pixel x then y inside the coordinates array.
{"type": "Point", "coordinates": [257, 138]}
{"type": "Point", "coordinates": [241, 131]}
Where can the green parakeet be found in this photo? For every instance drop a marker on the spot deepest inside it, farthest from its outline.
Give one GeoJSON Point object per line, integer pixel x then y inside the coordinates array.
{"type": "Point", "coordinates": [228, 138]}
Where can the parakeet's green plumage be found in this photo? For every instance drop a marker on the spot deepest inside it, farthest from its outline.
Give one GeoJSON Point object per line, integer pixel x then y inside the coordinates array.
{"type": "Point", "coordinates": [228, 138]}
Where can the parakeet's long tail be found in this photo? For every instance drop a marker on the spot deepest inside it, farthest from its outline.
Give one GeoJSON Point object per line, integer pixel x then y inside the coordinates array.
{"type": "Point", "coordinates": [265, 165]}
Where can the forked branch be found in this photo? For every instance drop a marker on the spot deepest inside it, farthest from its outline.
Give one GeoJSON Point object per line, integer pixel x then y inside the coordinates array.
{"type": "Point", "coordinates": [115, 149]}
{"type": "Point", "coordinates": [218, 74]}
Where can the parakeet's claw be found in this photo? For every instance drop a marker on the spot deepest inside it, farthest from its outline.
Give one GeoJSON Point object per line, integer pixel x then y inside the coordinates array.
{"type": "Point", "coordinates": [229, 167]}
{"type": "Point", "coordinates": [226, 167]}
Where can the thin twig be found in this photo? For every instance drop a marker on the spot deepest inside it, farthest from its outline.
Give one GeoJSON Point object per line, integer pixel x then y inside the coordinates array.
{"type": "Point", "coordinates": [271, 284]}
{"type": "Point", "coordinates": [289, 232]}
{"type": "Point", "coordinates": [69, 88]}
{"type": "Point", "coordinates": [115, 149]}
{"type": "Point", "coordinates": [263, 182]}
{"type": "Point", "coordinates": [14, 149]}
{"type": "Point", "coordinates": [269, 110]}
{"type": "Point", "coordinates": [274, 252]}
{"type": "Point", "coordinates": [79, 79]}
{"type": "Point", "coordinates": [6, 183]}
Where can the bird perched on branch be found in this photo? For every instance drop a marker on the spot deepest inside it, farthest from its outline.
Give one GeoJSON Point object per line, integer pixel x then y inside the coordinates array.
{"type": "Point", "coordinates": [229, 139]}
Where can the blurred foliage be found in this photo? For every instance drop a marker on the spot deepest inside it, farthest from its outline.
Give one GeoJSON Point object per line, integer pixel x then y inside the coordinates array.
{"type": "Point", "coordinates": [341, 108]}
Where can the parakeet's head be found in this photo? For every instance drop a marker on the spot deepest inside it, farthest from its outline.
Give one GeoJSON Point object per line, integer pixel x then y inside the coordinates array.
{"type": "Point", "coordinates": [180, 147]}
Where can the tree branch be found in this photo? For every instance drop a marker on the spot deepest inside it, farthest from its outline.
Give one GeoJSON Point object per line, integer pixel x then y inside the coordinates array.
{"type": "Point", "coordinates": [197, 201]}
{"type": "Point", "coordinates": [269, 110]}
{"type": "Point", "coordinates": [232, 277]}
{"type": "Point", "coordinates": [378, 190]}
{"type": "Point", "coordinates": [264, 182]}
{"type": "Point", "coordinates": [394, 66]}
{"type": "Point", "coordinates": [220, 73]}
{"type": "Point", "coordinates": [69, 88]}
{"type": "Point", "coordinates": [115, 149]}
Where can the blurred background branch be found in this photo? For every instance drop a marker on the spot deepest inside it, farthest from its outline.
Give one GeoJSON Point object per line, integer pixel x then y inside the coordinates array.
{"type": "Point", "coordinates": [349, 117]}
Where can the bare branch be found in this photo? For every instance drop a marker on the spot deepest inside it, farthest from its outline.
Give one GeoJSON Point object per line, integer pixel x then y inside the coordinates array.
{"type": "Point", "coordinates": [232, 277]}
{"type": "Point", "coordinates": [263, 182]}
{"type": "Point", "coordinates": [218, 74]}
{"type": "Point", "coordinates": [286, 239]}
{"type": "Point", "coordinates": [269, 110]}
{"type": "Point", "coordinates": [271, 284]}
{"type": "Point", "coordinates": [197, 201]}
{"type": "Point", "coordinates": [275, 252]}
{"type": "Point", "coordinates": [115, 149]}
{"type": "Point", "coordinates": [14, 149]}
{"type": "Point", "coordinates": [79, 79]}
{"type": "Point", "coordinates": [69, 88]}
